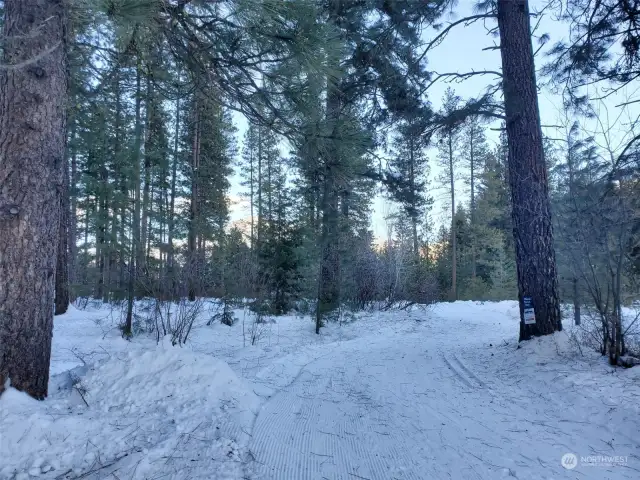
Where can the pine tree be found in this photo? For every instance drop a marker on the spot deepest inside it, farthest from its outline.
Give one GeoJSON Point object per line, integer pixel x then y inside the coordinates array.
{"type": "Point", "coordinates": [474, 151]}
{"type": "Point", "coordinates": [410, 164]}
{"type": "Point", "coordinates": [32, 126]}
{"type": "Point", "coordinates": [448, 148]}
{"type": "Point", "coordinates": [533, 231]}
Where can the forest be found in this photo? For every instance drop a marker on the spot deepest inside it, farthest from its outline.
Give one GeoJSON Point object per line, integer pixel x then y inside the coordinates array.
{"type": "Point", "coordinates": [132, 132]}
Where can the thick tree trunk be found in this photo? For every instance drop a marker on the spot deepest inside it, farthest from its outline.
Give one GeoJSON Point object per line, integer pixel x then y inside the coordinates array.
{"type": "Point", "coordinates": [329, 275]}
{"type": "Point", "coordinates": [532, 228]}
{"type": "Point", "coordinates": [329, 281]}
{"type": "Point", "coordinates": [33, 97]}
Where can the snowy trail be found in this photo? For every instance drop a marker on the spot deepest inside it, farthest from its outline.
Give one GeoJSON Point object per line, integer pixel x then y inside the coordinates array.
{"type": "Point", "coordinates": [434, 394]}
{"type": "Point", "coordinates": [411, 406]}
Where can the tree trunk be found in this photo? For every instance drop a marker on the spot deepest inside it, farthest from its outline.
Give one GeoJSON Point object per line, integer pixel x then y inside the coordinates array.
{"type": "Point", "coordinates": [119, 209]}
{"type": "Point", "coordinates": [412, 180]}
{"type": "Point", "coordinates": [473, 202]}
{"type": "Point", "coordinates": [142, 259]}
{"type": "Point", "coordinates": [33, 97]}
{"type": "Point", "coordinates": [329, 275]}
{"type": "Point", "coordinates": [329, 281]}
{"type": "Point", "coordinates": [252, 240]}
{"type": "Point", "coordinates": [259, 184]}
{"type": "Point", "coordinates": [62, 260]}
{"type": "Point", "coordinates": [149, 229]}
{"type": "Point", "coordinates": [113, 244]}
{"type": "Point", "coordinates": [172, 201]}
{"type": "Point", "coordinates": [193, 215]}
{"type": "Point", "coordinates": [138, 247]}
{"type": "Point", "coordinates": [576, 302]}
{"type": "Point", "coordinates": [531, 213]}
{"type": "Point", "coordinates": [101, 234]}
{"type": "Point", "coordinates": [73, 222]}
{"type": "Point", "coordinates": [135, 227]}
{"type": "Point", "coordinates": [85, 273]}
{"type": "Point", "coordinates": [454, 236]}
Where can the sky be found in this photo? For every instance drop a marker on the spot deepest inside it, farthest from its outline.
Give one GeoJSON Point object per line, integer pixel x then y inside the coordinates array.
{"type": "Point", "coordinates": [462, 51]}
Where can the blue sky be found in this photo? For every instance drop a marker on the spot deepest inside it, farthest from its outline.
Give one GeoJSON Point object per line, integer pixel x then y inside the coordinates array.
{"type": "Point", "coordinates": [462, 51]}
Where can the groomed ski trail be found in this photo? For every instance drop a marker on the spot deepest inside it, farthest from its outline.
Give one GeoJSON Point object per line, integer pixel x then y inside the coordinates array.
{"type": "Point", "coordinates": [427, 403]}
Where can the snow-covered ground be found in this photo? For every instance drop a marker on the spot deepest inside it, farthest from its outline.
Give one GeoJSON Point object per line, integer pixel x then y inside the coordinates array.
{"type": "Point", "coordinates": [443, 393]}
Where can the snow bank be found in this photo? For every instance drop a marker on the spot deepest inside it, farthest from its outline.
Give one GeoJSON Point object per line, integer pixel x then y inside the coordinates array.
{"type": "Point", "coordinates": [442, 392]}
{"type": "Point", "coordinates": [135, 414]}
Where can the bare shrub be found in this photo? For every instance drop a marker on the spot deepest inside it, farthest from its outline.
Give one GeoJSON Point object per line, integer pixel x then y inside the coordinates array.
{"type": "Point", "coordinates": [175, 319]}
{"type": "Point", "coordinates": [256, 328]}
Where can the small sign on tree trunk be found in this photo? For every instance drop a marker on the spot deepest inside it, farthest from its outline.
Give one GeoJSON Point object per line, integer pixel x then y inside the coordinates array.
{"type": "Point", "coordinates": [528, 311]}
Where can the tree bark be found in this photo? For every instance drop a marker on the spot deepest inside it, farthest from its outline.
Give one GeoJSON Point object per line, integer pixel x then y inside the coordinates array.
{"type": "Point", "coordinates": [61, 301]}
{"type": "Point", "coordinates": [329, 281]}
{"type": "Point", "coordinates": [194, 213]}
{"type": "Point", "coordinates": [101, 234]}
{"type": "Point", "coordinates": [473, 200]}
{"type": "Point", "coordinates": [144, 225]}
{"type": "Point", "coordinates": [252, 240]}
{"type": "Point", "coordinates": [73, 222]}
{"type": "Point", "coordinates": [172, 201]}
{"type": "Point", "coordinates": [119, 210]}
{"type": "Point", "coordinates": [135, 227]}
{"type": "Point", "coordinates": [33, 97]}
{"type": "Point", "coordinates": [576, 302]}
{"type": "Point", "coordinates": [531, 212]}
{"type": "Point", "coordinates": [329, 275]}
{"type": "Point", "coordinates": [454, 236]}
{"type": "Point", "coordinates": [259, 184]}
{"type": "Point", "coordinates": [412, 181]}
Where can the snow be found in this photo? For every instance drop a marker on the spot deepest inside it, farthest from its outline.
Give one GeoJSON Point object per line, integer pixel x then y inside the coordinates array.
{"type": "Point", "coordinates": [438, 393]}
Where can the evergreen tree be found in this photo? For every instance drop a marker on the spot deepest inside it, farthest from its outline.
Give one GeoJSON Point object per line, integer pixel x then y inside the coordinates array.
{"type": "Point", "coordinates": [32, 126]}
{"type": "Point", "coordinates": [448, 154]}
{"type": "Point", "coordinates": [474, 151]}
{"type": "Point", "coordinates": [409, 163]}
{"type": "Point", "coordinates": [533, 231]}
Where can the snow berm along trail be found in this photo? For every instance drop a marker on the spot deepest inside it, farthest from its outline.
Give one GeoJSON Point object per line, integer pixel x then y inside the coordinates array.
{"type": "Point", "coordinates": [438, 394]}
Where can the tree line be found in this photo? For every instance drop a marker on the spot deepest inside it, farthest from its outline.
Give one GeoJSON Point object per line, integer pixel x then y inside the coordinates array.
{"type": "Point", "coordinates": [118, 145]}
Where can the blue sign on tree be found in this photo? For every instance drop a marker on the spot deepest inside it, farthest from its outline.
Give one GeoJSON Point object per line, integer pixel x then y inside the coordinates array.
{"type": "Point", "coordinates": [529, 311]}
